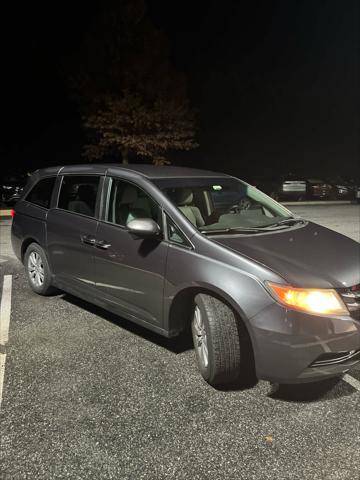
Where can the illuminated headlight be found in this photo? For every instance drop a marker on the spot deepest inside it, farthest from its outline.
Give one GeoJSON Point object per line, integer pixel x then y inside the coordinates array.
{"type": "Point", "coordinates": [310, 300]}
{"type": "Point", "coordinates": [6, 187]}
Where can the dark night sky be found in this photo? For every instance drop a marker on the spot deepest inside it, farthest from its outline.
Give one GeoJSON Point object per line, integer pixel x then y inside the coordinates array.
{"type": "Point", "coordinates": [276, 82]}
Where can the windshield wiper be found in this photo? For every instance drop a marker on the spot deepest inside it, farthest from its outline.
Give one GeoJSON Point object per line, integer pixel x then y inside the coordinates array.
{"type": "Point", "coordinates": [232, 230]}
{"type": "Point", "coordinates": [259, 229]}
{"type": "Point", "coordinates": [286, 221]}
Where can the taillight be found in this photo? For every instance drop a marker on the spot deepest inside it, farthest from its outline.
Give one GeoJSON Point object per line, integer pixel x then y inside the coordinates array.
{"type": "Point", "coordinates": [12, 213]}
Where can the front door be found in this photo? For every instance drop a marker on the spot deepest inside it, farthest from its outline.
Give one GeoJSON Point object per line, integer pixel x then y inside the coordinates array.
{"type": "Point", "coordinates": [129, 270]}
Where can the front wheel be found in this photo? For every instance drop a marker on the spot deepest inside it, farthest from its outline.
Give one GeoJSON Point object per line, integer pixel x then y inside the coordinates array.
{"type": "Point", "coordinates": [38, 270]}
{"type": "Point", "coordinates": [218, 342]}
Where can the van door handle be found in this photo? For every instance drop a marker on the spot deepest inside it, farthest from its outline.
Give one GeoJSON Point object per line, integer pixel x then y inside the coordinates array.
{"type": "Point", "coordinates": [88, 239]}
{"type": "Point", "coordinates": [102, 244]}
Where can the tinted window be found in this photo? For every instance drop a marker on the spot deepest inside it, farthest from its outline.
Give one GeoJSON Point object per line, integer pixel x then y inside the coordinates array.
{"type": "Point", "coordinates": [128, 202]}
{"type": "Point", "coordinates": [41, 192]}
{"type": "Point", "coordinates": [78, 194]}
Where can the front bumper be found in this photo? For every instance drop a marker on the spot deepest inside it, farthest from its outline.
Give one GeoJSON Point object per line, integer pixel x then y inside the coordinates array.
{"type": "Point", "coordinates": [295, 347]}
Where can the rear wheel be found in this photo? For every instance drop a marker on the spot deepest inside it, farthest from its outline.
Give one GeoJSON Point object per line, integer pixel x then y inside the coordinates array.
{"type": "Point", "coordinates": [222, 347]}
{"type": "Point", "coordinates": [38, 270]}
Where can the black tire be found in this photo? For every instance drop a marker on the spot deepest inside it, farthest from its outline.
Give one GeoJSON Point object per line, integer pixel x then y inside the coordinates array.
{"type": "Point", "coordinates": [230, 360]}
{"type": "Point", "coordinates": [44, 288]}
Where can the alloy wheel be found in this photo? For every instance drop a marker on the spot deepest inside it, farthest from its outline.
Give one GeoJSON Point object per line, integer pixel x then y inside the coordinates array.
{"type": "Point", "coordinates": [201, 345]}
{"type": "Point", "coordinates": [36, 269]}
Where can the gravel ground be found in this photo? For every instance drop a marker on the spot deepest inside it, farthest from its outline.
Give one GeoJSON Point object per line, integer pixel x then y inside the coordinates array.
{"type": "Point", "coordinates": [90, 395]}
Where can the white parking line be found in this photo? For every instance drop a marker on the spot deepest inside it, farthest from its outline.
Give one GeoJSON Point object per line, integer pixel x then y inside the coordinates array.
{"type": "Point", "coordinates": [352, 381]}
{"type": "Point", "coordinates": [5, 311]}
{"type": "Point", "coordinates": [2, 373]}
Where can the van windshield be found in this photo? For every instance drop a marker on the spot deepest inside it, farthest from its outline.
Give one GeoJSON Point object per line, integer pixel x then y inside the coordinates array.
{"type": "Point", "coordinates": [224, 203]}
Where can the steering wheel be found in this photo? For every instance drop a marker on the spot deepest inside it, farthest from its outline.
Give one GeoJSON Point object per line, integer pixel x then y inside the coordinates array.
{"type": "Point", "coordinates": [244, 204]}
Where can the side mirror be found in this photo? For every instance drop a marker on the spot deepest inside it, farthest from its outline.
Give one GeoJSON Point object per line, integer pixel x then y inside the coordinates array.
{"type": "Point", "coordinates": [143, 227]}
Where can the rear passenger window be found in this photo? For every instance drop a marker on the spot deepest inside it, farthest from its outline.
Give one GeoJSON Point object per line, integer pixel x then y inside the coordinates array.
{"type": "Point", "coordinates": [41, 192]}
{"type": "Point", "coordinates": [78, 194]}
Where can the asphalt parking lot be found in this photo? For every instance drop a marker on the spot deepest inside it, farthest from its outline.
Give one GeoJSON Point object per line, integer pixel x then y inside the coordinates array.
{"type": "Point", "coordinates": [88, 395]}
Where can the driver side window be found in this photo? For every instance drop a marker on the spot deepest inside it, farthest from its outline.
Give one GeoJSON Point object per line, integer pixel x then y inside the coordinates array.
{"type": "Point", "coordinates": [128, 202]}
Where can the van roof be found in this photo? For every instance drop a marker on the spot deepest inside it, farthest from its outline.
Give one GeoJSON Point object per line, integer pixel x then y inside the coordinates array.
{"type": "Point", "coordinates": [149, 171]}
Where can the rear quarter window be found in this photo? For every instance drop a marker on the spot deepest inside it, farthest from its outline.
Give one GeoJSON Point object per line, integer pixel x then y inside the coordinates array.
{"type": "Point", "coordinates": [41, 193]}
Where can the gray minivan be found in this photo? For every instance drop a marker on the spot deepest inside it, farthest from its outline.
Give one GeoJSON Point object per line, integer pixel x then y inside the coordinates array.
{"type": "Point", "coordinates": [176, 248]}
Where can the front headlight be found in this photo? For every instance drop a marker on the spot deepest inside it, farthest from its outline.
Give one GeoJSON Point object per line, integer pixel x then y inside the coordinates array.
{"type": "Point", "coordinates": [310, 300]}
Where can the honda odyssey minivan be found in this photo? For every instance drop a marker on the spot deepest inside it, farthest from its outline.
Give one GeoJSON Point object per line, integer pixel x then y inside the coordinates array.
{"type": "Point", "coordinates": [175, 248]}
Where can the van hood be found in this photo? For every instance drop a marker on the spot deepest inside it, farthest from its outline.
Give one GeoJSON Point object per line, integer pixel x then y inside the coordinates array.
{"type": "Point", "coordinates": [308, 256]}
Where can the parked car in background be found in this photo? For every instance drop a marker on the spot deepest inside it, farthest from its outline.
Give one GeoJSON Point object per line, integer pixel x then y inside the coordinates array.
{"type": "Point", "coordinates": [282, 188]}
{"type": "Point", "coordinates": [11, 189]}
{"type": "Point", "coordinates": [263, 292]}
{"type": "Point", "coordinates": [344, 192]}
{"type": "Point", "coordinates": [293, 188]}
{"type": "Point", "coordinates": [319, 189]}
{"type": "Point", "coordinates": [345, 189]}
